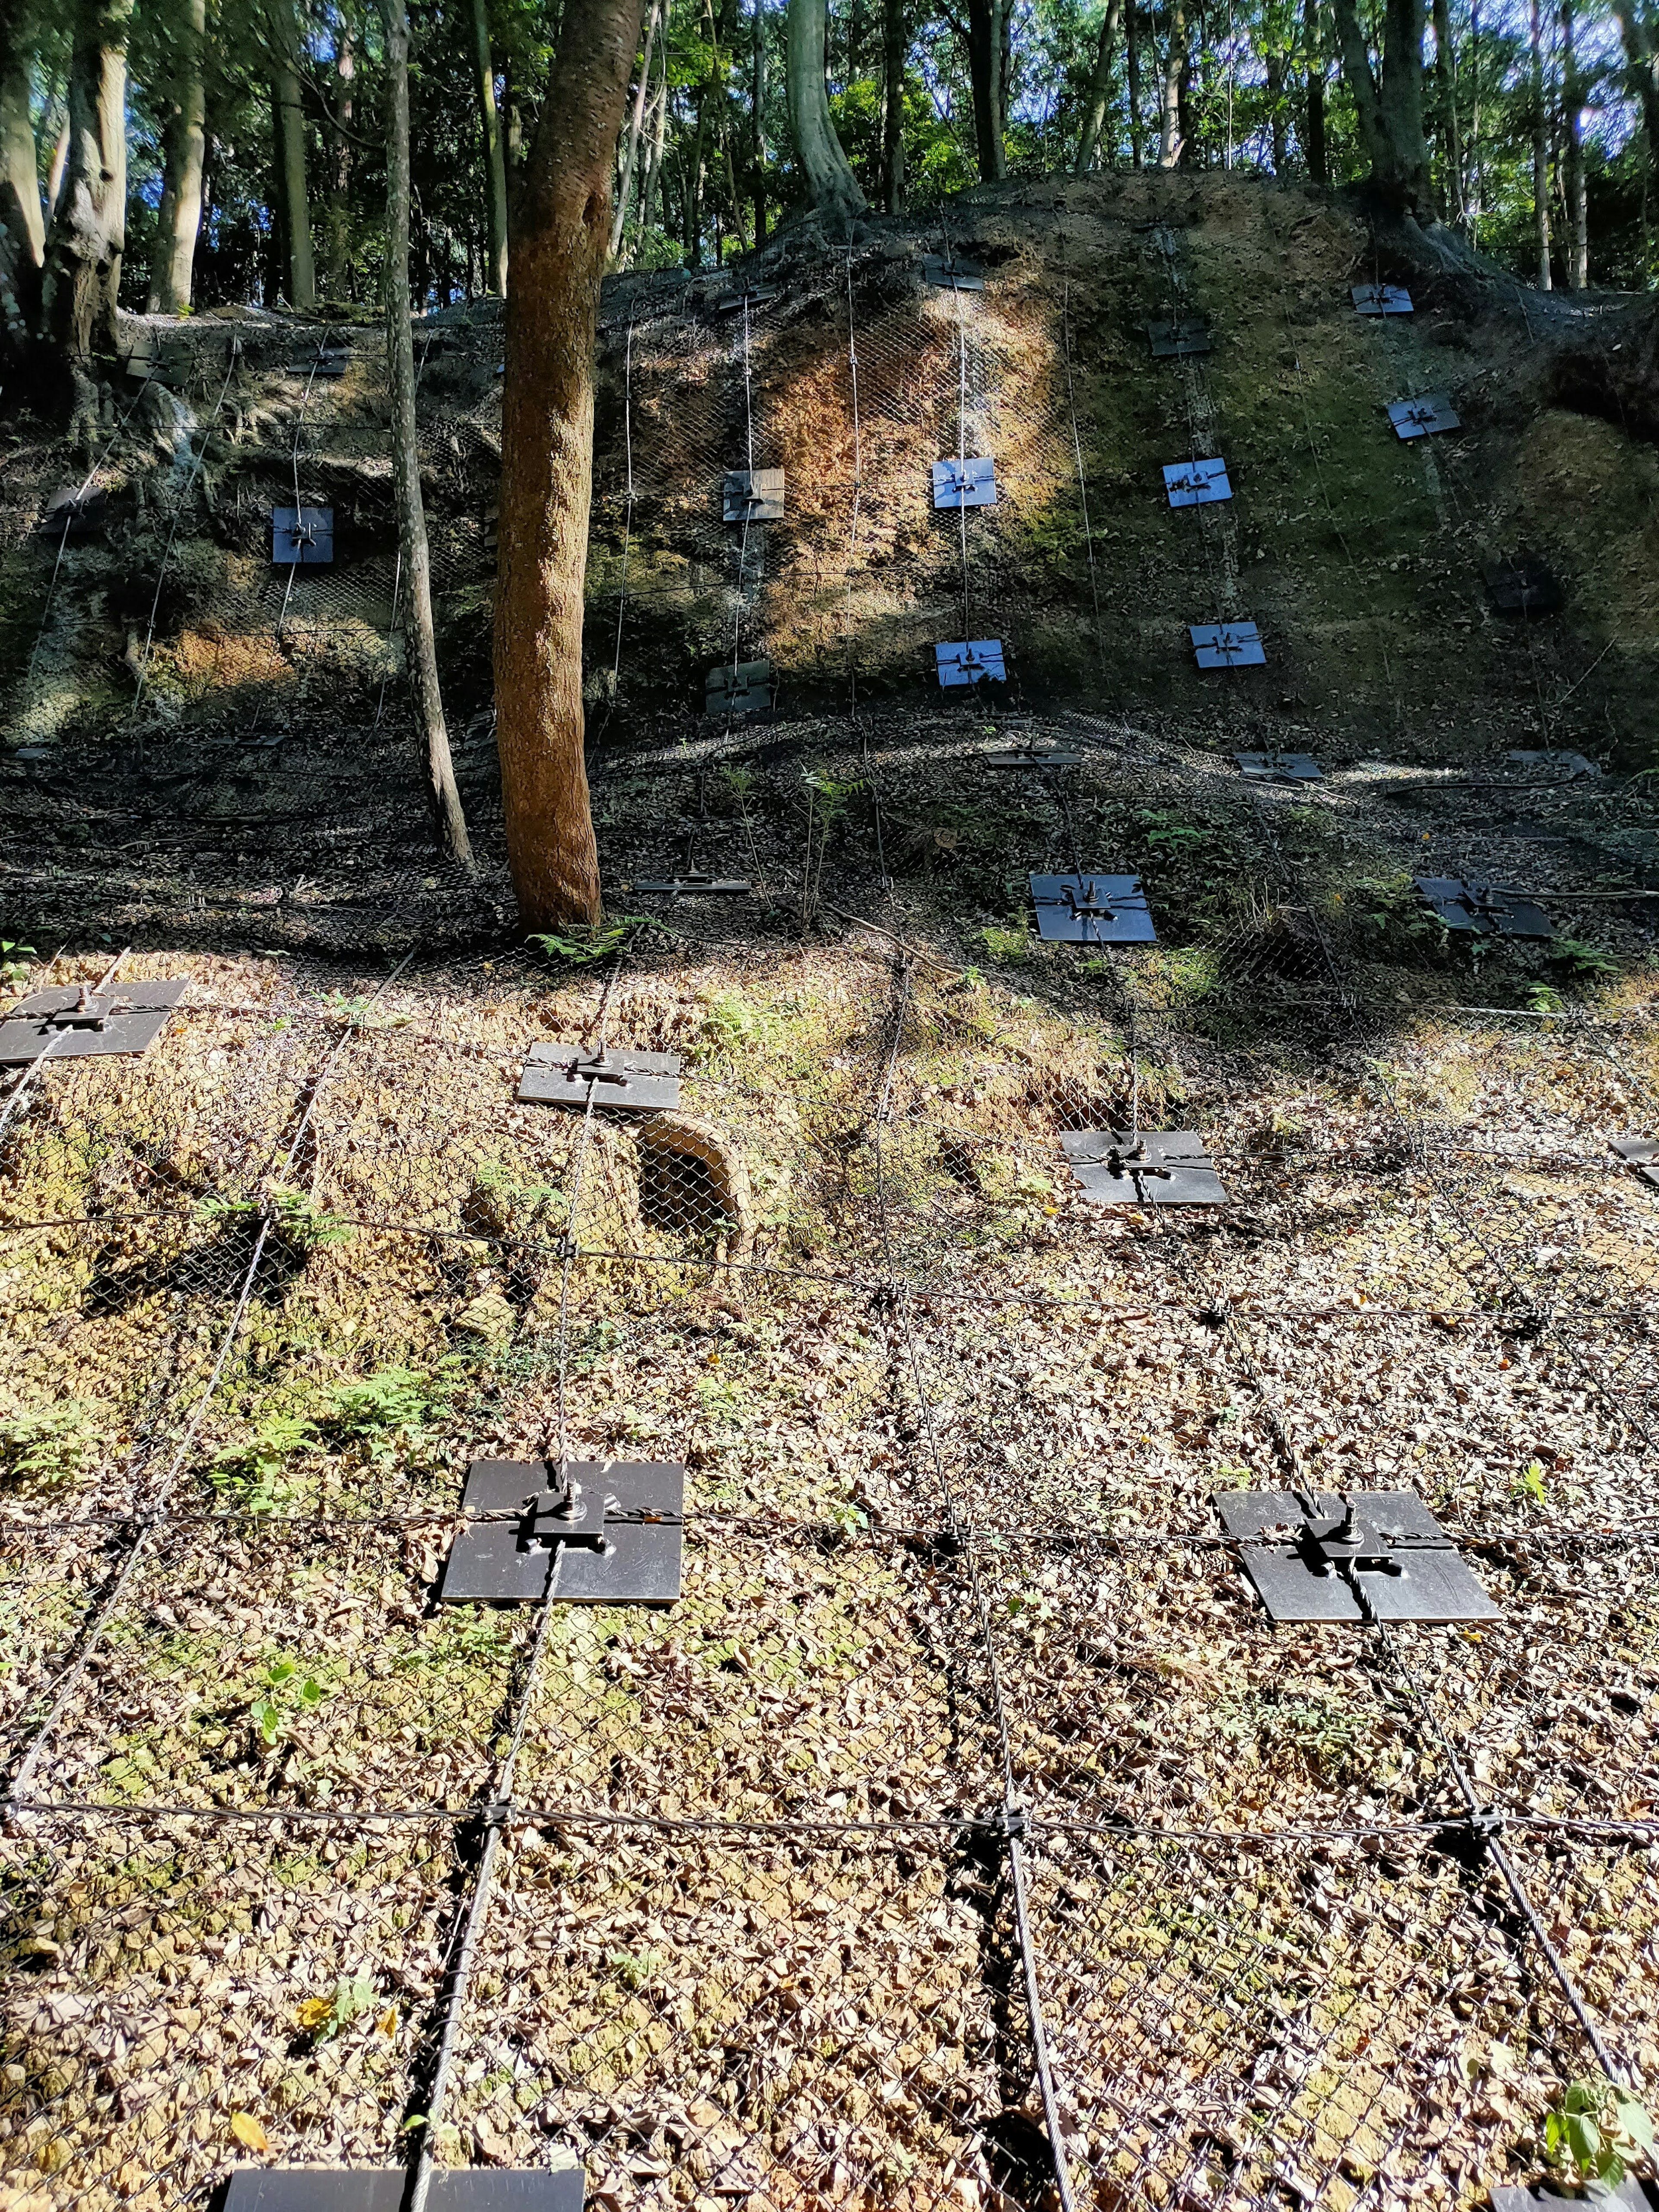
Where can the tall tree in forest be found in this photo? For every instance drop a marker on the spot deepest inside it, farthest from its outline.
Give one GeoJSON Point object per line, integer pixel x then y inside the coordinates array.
{"type": "Point", "coordinates": [635, 125]}
{"type": "Point", "coordinates": [1389, 102]}
{"type": "Point", "coordinates": [757, 114]}
{"type": "Point", "coordinates": [82, 272]}
{"type": "Point", "coordinates": [494, 158]}
{"type": "Point", "coordinates": [895, 53]}
{"type": "Point", "coordinates": [289, 134]}
{"type": "Point", "coordinates": [23, 228]}
{"type": "Point", "coordinates": [1445, 81]}
{"type": "Point", "coordinates": [1100, 85]}
{"type": "Point", "coordinates": [561, 239]}
{"type": "Point", "coordinates": [1638, 34]}
{"type": "Point", "coordinates": [415, 565]}
{"type": "Point", "coordinates": [1172, 140]}
{"type": "Point", "coordinates": [1132, 65]}
{"type": "Point", "coordinates": [183, 143]}
{"type": "Point", "coordinates": [834, 189]}
{"type": "Point", "coordinates": [336, 234]}
{"type": "Point", "coordinates": [1574, 188]}
{"type": "Point", "coordinates": [1541, 145]}
{"type": "Point", "coordinates": [1313, 63]}
{"type": "Point", "coordinates": [988, 22]}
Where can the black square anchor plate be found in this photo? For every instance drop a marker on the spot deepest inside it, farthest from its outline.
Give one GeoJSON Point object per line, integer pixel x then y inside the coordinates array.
{"type": "Point", "coordinates": [301, 534]}
{"type": "Point", "coordinates": [953, 270]}
{"type": "Point", "coordinates": [77, 1023]}
{"type": "Point", "coordinates": [1482, 909]}
{"type": "Point", "coordinates": [1523, 585]}
{"type": "Point", "coordinates": [1279, 768]}
{"type": "Point", "coordinates": [565, 1074]}
{"type": "Point", "coordinates": [381, 2189]}
{"type": "Point", "coordinates": [1153, 1166]}
{"type": "Point", "coordinates": [1555, 762]}
{"type": "Point", "coordinates": [1422, 418]}
{"type": "Point", "coordinates": [1197, 484]}
{"type": "Point", "coordinates": [1373, 1554]}
{"type": "Point", "coordinates": [741, 687]}
{"type": "Point", "coordinates": [327, 361]}
{"type": "Point", "coordinates": [626, 1550]}
{"type": "Point", "coordinates": [1382, 298]}
{"type": "Point", "coordinates": [1227, 645]}
{"type": "Point", "coordinates": [1640, 1153]}
{"type": "Point", "coordinates": [752, 495]}
{"type": "Point", "coordinates": [970, 483]}
{"type": "Point", "coordinates": [73, 515]}
{"type": "Point", "coordinates": [693, 884]}
{"type": "Point", "coordinates": [1174, 341]}
{"type": "Point", "coordinates": [1551, 2196]}
{"type": "Point", "coordinates": [1092, 910]}
{"type": "Point", "coordinates": [977, 660]}
{"type": "Point", "coordinates": [1034, 758]}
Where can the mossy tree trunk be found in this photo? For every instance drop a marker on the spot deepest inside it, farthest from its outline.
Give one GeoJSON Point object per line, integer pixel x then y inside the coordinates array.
{"type": "Point", "coordinates": [1100, 85]}
{"type": "Point", "coordinates": [179, 221]}
{"type": "Point", "coordinates": [1172, 144]}
{"type": "Point", "coordinates": [420, 647]}
{"type": "Point", "coordinates": [288, 116]}
{"type": "Point", "coordinates": [82, 271]}
{"type": "Point", "coordinates": [1389, 102]}
{"type": "Point", "coordinates": [834, 189]}
{"type": "Point", "coordinates": [986, 23]}
{"type": "Point", "coordinates": [561, 239]}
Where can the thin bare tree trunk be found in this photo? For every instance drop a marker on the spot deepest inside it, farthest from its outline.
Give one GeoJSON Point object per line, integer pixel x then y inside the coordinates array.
{"type": "Point", "coordinates": [1170, 143]}
{"type": "Point", "coordinates": [1451, 149]}
{"type": "Point", "coordinates": [337, 234]}
{"type": "Point", "coordinates": [180, 219]}
{"type": "Point", "coordinates": [1573, 180]}
{"type": "Point", "coordinates": [1132, 61]}
{"type": "Point", "coordinates": [985, 23]}
{"type": "Point", "coordinates": [417, 559]}
{"type": "Point", "coordinates": [1100, 85]}
{"type": "Point", "coordinates": [895, 50]}
{"type": "Point", "coordinates": [494, 158]}
{"type": "Point", "coordinates": [82, 273]}
{"type": "Point", "coordinates": [635, 124]}
{"type": "Point", "coordinates": [1541, 149]}
{"type": "Point", "coordinates": [1642, 71]}
{"type": "Point", "coordinates": [559, 250]}
{"type": "Point", "coordinates": [834, 191]}
{"type": "Point", "coordinates": [658, 141]}
{"type": "Point", "coordinates": [290, 150]}
{"type": "Point", "coordinates": [1313, 63]}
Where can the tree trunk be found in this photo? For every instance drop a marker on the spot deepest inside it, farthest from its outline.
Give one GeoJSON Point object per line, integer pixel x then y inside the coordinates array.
{"type": "Point", "coordinates": [1642, 72]}
{"type": "Point", "coordinates": [757, 119]}
{"type": "Point", "coordinates": [985, 29]}
{"type": "Point", "coordinates": [1541, 149]}
{"type": "Point", "coordinates": [1132, 60]}
{"type": "Point", "coordinates": [658, 141]}
{"type": "Point", "coordinates": [23, 228]}
{"type": "Point", "coordinates": [494, 158]}
{"type": "Point", "coordinates": [1273, 61]}
{"type": "Point", "coordinates": [419, 647]}
{"type": "Point", "coordinates": [559, 247]}
{"type": "Point", "coordinates": [1451, 149]}
{"type": "Point", "coordinates": [894, 51]}
{"type": "Point", "coordinates": [338, 246]}
{"type": "Point", "coordinates": [835, 193]}
{"type": "Point", "coordinates": [179, 222]}
{"type": "Point", "coordinates": [1314, 64]}
{"type": "Point", "coordinates": [1573, 181]}
{"type": "Point", "coordinates": [1100, 85]}
{"type": "Point", "coordinates": [82, 274]}
{"type": "Point", "coordinates": [1170, 144]}
{"type": "Point", "coordinates": [635, 124]}
{"type": "Point", "coordinates": [1388, 103]}
{"type": "Point", "coordinates": [290, 150]}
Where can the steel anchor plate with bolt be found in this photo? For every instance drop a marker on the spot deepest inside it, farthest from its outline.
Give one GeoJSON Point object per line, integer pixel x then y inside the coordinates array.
{"type": "Point", "coordinates": [569, 1075]}
{"type": "Point", "coordinates": [73, 516]}
{"type": "Point", "coordinates": [1197, 484]}
{"type": "Point", "coordinates": [615, 1527]}
{"type": "Point", "coordinates": [1640, 1153]}
{"type": "Point", "coordinates": [1422, 418]}
{"type": "Point", "coordinates": [1382, 298]}
{"type": "Point", "coordinates": [1227, 645]}
{"type": "Point", "coordinates": [1175, 341]}
{"type": "Point", "coordinates": [979, 660]}
{"type": "Point", "coordinates": [1369, 1555]}
{"type": "Point", "coordinates": [1279, 768]}
{"type": "Point", "coordinates": [971, 483]}
{"type": "Point", "coordinates": [1145, 1167]}
{"type": "Point", "coordinates": [740, 686]}
{"type": "Point", "coordinates": [304, 535]}
{"type": "Point", "coordinates": [949, 269]}
{"type": "Point", "coordinates": [382, 2189]}
{"type": "Point", "coordinates": [1092, 910]}
{"type": "Point", "coordinates": [75, 1022]}
{"type": "Point", "coordinates": [1034, 757]}
{"type": "Point", "coordinates": [693, 884]}
{"type": "Point", "coordinates": [1481, 909]}
{"type": "Point", "coordinates": [329, 360]}
{"type": "Point", "coordinates": [753, 496]}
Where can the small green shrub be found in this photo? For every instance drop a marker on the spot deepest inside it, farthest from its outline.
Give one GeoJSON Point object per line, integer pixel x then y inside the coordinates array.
{"type": "Point", "coordinates": [287, 1694]}
{"type": "Point", "coordinates": [251, 1474]}
{"type": "Point", "coordinates": [583, 945]}
{"type": "Point", "coordinates": [51, 1443]}
{"type": "Point", "coordinates": [15, 960]}
{"type": "Point", "coordinates": [1597, 2131]}
{"type": "Point", "coordinates": [298, 1221]}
